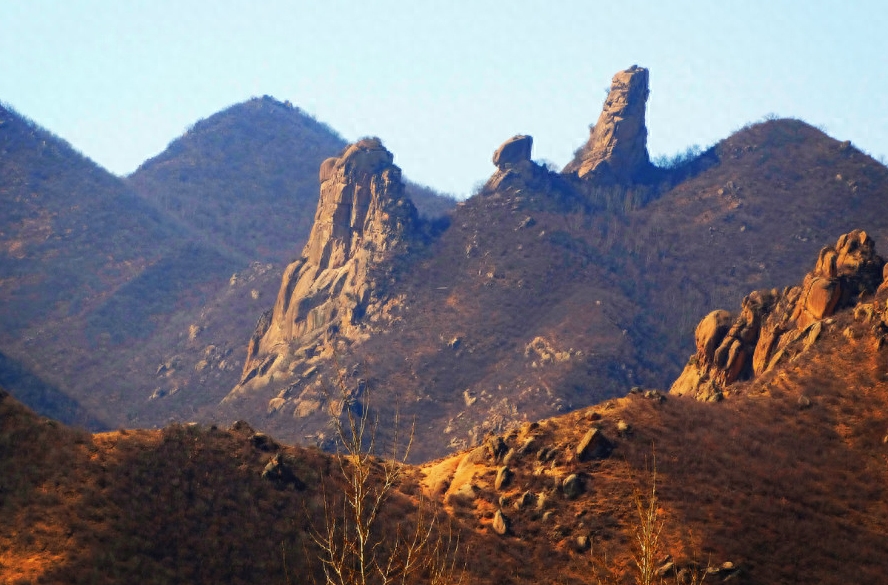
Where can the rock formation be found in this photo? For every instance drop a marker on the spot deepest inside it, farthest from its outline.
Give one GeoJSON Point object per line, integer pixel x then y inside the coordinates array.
{"type": "Point", "coordinates": [513, 151]}
{"type": "Point", "coordinates": [362, 217]}
{"type": "Point", "coordinates": [617, 146]}
{"type": "Point", "coordinates": [773, 325]}
{"type": "Point", "coordinates": [514, 168]}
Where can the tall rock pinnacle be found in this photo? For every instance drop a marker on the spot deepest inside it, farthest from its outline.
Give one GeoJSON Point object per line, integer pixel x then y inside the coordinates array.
{"type": "Point", "coordinates": [362, 216]}
{"type": "Point", "coordinates": [617, 146]}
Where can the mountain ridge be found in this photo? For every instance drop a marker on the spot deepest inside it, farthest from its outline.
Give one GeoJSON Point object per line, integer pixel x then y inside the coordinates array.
{"type": "Point", "coordinates": [550, 292]}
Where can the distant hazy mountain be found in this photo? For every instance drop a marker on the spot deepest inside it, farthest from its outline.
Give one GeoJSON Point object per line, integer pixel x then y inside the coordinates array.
{"type": "Point", "coordinates": [247, 177]}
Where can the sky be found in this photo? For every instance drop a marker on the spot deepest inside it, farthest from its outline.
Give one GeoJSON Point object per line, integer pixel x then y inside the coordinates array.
{"type": "Point", "coordinates": [443, 83]}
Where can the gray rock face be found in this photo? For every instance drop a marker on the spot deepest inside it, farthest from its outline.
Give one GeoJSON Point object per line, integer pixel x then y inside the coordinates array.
{"type": "Point", "coordinates": [617, 146]}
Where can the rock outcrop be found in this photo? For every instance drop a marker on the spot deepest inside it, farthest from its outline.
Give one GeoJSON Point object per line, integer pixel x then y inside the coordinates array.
{"type": "Point", "coordinates": [513, 151]}
{"type": "Point", "coordinates": [617, 146]}
{"type": "Point", "coordinates": [772, 325]}
{"type": "Point", "coordinates": [514, 167]}
{"type": "Point", "coordinates": [363, 217]}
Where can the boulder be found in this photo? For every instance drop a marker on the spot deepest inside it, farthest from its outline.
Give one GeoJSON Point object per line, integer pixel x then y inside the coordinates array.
{"type": "Point", "coordinates": [573, 486]}
{"type": "Point", "coordinates": [496, 448]}
{"type": "Point", "coordinates": [711, 331]}
{"type": "Point", "coordinates": [500, 523]}
{"type": "Point", "coordinates": [279, 471]}
{"type": "Point", "coordinates": [525, 500]}
{"type": "Point", "coordinates": [263, 442]}
{"type": "Point", "coordinates": [503, 478]}
{"type": "Point", "coordinates": [513, 151]}
{"type": "Point", "coordinates": [593, 445]}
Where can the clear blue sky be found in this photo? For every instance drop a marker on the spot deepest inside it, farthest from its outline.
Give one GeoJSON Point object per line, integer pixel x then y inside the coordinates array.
{"type": "Point", "coordinates": [442, 83]}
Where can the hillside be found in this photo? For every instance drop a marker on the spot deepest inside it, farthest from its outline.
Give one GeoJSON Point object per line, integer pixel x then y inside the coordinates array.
{"type": "Point", "coordinates": [108, 285]}
{"type": "Point", "coordinates": [781, 481]}
{"type": "Point", "coordinates": [543, 293]}
{"type": "Point", "coordinates": [553, 291]}
{"type": "Point", "coordinates": [244, 178]}
{"type": "Point", "coordinates": [87, 266]}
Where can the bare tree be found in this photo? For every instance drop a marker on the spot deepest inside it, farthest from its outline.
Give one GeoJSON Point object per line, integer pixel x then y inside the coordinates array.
{"type": "Point", "coordinates": [648, 530]}
{"type": "Point", "coordinates": [353, 549]}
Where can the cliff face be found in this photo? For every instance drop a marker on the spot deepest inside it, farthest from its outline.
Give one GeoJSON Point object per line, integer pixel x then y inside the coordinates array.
{"type": "Point", "coordinates": [617, 145]}
{"type": "Point", "coordinates": [773, 326]}
{"type": "Point", "coordinates": [363, 216]}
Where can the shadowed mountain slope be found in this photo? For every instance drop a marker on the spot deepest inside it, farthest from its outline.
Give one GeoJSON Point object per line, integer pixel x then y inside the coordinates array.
{"type": "Point", "coordinates": [245, 177]}
{"type": "Point", "coordinates": [85, 264]}
{"type": "Point", "coordinates": [543, 297]}
{"type": "Point", "coordinates": [107, 286]}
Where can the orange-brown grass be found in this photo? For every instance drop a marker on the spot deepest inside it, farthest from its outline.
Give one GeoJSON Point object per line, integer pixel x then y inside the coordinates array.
{"type": "Point", "coordinates": [185, 504]}
{"type": "Point", "coordinates": [788, 493]}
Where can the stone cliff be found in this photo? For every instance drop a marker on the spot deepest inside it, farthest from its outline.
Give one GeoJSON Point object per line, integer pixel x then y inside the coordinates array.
{"type": "Point", "coordinates": [363, 217]}
{"type": "Point", "coordinates": [617, 145]}
{"type": "Point", "coordinates": [773, 326]}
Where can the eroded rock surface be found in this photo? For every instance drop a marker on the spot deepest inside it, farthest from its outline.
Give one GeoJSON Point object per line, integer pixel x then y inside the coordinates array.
{"type": "Point", "coordinates": [514, 167]}
{"type": "Point", "coordinates": [617, 146]}
{"type": "Point", "coordinates": [513, 151]}
{"type": "Point", "coordinates": [363, 217]}
{"type": "Point", "coordinates": [773, 325]}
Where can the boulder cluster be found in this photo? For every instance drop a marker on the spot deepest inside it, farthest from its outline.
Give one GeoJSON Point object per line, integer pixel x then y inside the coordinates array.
{"type": "Point", "coordinates": [773, 325]}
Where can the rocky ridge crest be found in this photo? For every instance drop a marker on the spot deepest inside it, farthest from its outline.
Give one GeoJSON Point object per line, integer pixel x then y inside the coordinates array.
{"type": "Point", "coordinates": [773, 325]}
{"type": "Point", "coordinates": [363, 217]}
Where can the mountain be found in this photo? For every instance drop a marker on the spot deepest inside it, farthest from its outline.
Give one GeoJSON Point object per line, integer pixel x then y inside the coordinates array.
{"type": "Point", "coordinates": [109, 286]}
{"type": "Point", "coordinates": [782, 480]}
{"type": "Point", "coordinates": [553, 291]}
{"type": "Point", "coordinates": [87, 267]}
{"type": "Point", "coordinates": [246, 178]}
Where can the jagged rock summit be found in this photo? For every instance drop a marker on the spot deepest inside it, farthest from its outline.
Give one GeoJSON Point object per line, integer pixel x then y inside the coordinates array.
{"type": "Point", "coordinates": [617, 146]}
{"type": "Point", "coordinates": [363, 216]}
{"type": "Point", "coordinates": [774, 325]}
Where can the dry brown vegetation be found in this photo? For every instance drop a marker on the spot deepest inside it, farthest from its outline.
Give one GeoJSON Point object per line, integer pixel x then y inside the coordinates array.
{"type": "Point", "coordinates": [787, 492]}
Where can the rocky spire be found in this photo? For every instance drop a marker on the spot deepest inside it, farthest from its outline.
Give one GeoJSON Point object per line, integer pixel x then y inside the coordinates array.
{"type": "Point", "coordinates": [617, 146]}
{"type": "Point", "coordinates": [363, 215]}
